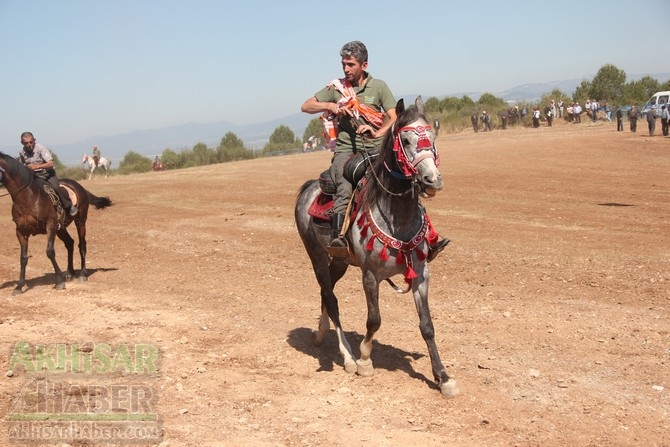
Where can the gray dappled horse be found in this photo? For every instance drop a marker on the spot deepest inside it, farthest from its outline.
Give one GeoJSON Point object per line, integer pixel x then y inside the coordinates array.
{"type": "Point", "coordinates": [36, 209]}
{"type": "Point", "coordinates": [387, 236]}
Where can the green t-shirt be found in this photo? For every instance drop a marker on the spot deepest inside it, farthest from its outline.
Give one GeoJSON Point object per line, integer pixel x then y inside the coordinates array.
{"type": "Point", "coordinates": [376, 94]}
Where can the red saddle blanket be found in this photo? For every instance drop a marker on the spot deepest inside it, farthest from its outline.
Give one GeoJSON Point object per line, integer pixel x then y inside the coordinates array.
{"type": "Point", "coordinates": [322, 207]}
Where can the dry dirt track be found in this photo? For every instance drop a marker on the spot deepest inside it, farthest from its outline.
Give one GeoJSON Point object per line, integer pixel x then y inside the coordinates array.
{"type": "Point", "coordinates": [552, 306]}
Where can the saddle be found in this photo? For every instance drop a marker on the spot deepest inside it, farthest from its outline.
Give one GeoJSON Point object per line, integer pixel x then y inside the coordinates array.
{"type": "Point", "coordinates": [354, 171]}
{"type": "Point", "coordinates": [55, 198]}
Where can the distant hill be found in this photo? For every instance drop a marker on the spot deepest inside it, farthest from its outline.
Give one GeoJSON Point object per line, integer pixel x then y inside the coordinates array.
{"type": "Point", "coordinates": [151, 142]}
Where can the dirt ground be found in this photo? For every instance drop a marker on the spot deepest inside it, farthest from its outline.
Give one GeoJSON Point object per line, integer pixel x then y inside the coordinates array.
{"type": "Point", "coordinates": [551, 306]}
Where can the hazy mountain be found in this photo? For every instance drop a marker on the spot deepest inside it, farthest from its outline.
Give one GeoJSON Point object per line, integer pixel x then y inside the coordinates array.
{"type": "Point", "coordinates": [151, 142]}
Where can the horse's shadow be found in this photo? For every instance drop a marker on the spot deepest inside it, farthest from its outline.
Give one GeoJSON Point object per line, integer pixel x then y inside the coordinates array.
{"type": "Point", "coordinates": [384, 356]}
{"type": "Point", "coordinates": [50, 279]}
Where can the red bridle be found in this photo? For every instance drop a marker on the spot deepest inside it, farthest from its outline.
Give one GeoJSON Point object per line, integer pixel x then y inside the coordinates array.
{"type": "Point", "coordinates": [408, 162]}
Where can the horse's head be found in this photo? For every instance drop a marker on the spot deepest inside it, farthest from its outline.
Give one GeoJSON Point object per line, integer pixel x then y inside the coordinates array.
{"type": "Point", "coordinates": [416, 157]}
{"type": "Point", "coordinates": [84, 158]}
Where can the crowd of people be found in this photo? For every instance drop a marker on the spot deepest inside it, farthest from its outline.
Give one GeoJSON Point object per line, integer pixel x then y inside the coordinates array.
{"type": "Point", "coordinates": [572, 113]}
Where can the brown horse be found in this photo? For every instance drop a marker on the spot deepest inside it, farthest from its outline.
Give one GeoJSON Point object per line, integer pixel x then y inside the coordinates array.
{"type": "Point", "coordinates": [37, 210]}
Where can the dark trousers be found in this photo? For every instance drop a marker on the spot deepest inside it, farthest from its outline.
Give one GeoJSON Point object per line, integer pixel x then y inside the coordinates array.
{"type": "Point", "coordinates": [64, 196]}
{"type": "Point", "coordinates": [664, 126]}
{"type": "Point", "coordinates": [619, 124]}
{"type": "Point", "coordinates": [633, 125]}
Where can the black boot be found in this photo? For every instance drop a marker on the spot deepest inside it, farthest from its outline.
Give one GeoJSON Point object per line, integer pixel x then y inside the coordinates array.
{"type": "Point", "coordinates": [434, 250]}
{"type": "Point", "coordinates": [338, 246]}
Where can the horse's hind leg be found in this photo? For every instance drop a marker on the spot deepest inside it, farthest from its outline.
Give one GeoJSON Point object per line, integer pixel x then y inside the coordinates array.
{"type": "Point", "coordinates": [330, 310]}
{"type": "Point", "coordinates": [81, 231]}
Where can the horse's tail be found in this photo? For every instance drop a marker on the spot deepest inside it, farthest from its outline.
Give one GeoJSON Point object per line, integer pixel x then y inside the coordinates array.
{"type": "Point", "coordinates": [98, 202]}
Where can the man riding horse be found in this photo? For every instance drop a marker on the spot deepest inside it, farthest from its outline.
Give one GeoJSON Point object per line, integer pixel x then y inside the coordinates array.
{"type": "Point", "coordinates": [352, 108]}
{"type": "Point", "coordinates": [39, 160]}
{"type": "Point", "coordinates": [96, 156]}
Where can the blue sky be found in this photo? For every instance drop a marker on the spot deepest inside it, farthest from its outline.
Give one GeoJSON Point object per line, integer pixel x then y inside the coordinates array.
{"type": "Point", "coordinates": [73, 69]}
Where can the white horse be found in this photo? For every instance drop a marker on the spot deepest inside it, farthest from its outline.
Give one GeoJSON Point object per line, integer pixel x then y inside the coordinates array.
{"type": "Point", "coordinates": [103, 163]}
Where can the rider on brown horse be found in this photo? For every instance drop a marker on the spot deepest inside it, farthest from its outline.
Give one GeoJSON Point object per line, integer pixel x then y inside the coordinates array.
{"type": "Point", "coordinates": [39, 160]}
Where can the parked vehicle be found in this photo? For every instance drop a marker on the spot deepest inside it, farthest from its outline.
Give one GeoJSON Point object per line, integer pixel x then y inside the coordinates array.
{"type": "Point", "coordinates": [655, 102]}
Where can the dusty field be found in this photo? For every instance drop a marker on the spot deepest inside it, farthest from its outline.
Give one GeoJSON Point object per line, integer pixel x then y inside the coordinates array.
{"type": "Point", "coordinates": [551, 307]}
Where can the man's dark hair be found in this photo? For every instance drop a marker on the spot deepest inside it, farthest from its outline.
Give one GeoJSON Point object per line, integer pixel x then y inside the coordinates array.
{"type": "Point", "coordinates": [355, 49]}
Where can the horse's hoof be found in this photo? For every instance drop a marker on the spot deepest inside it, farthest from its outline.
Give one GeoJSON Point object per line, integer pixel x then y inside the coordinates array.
{"type": "Point", "coordinates": [449, 388]}
{"type": "Point", "coordinates": [318, 338]}
{"type": "Point", "coordinates": [17, 291]}
{"type": "Point", "coordinates": [60, 286]}
{"type": "Point", "coordinates": [350, 367]}
{"type": "Point", "coordinates": [364, 368]}
{"type": "Point", "coordinates": [83, 278]}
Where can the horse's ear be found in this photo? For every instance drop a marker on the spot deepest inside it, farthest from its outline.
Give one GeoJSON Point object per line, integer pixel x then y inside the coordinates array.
{"type": "Point", "coordinates": [400, 107]}
{"type": "Point", "coordinates": [419, 105]}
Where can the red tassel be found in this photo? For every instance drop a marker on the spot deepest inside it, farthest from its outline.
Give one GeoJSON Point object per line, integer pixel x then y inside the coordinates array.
{"type": "Point", "coordinates": [371, 243]}
{"type": "Point", "coordinates": [399, 259]}
{"type": "Point", "coordinates": [432, 235]}
{"type": "Point", "coordinates": [361, 220]}
{"type": "Point", "coordinates": [364, 230]}
{"type": "Point", "coordinates": [410, 275]}
{"type": "Point", "coordinates": [384, 254]}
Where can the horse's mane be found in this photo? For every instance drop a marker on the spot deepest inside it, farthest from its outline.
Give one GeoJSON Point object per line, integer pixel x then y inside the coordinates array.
{"type": "Point", "coordinates": [16, 168]}
{"type": "Point", "coordinates": [387, 157]}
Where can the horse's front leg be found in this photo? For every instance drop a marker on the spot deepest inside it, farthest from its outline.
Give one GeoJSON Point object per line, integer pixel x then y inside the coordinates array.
{"type": "Point", "coordinates": [23, 259]}
{"type": "Point", "coordinates": [374, 321]}
{"type": "Point", "coordinates": [64, 236]}
{"type": "Point", "coordinates": [447, 385]}
{"type": "Point", "coordinates": [51, 254]}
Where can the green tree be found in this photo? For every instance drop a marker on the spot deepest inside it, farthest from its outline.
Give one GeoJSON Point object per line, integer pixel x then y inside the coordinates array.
{"type": "Point", "coordinates": [608, 84]}
{"type": "Point", "coordinates": [492, 102]}
{"type": "Point", "coordinates": [282, 139]}
{"type": "Point", "coordinates": [638, 92]}
{"type": "Point", "coordinates": [582, 92]}
{"type": "Point", "coordinates": [170, 159]}
{"type": "Point", "coordinates": [432, 105]}
{"type": "Point", "coordinates": [202, 155]}
{"type": "Point", "coordinates": [232, 148]}
{"type": "Point", "coordinates": [133, 163]}
{"type": "Point", "coordinates": [556, 94]}
{"type": "Point", "coordinates": [314, 128]}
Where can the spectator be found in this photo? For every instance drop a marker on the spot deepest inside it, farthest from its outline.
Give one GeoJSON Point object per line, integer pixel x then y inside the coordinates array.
{"type": "Point", "coordinates": [436, 126]}
{"type": "Point", "coordinates": [571, 113]}
{"type": "Point", "coordinates": [577, 110]}
{"type": "Point", "coordinates": [475, 122]}
{"type": "Point", "coordinates": [560, 108]}
{"type": "Point", "coordinates": [536, 117]}
{"type": "Point", "coordinates": [665, 116]}
{"type": "Point", "coordinates": [632, 119]}
{"type": "Point", "coordinates": [486, 121]}
{"type": "Point", "coordinates": [594, 110]}
{"type": "Point", "coordinates": [549, 114]}
{"type": "Point", "coordinates": [608, 112]}
{"type": "Point", "coordinates": [503, 118]}
{"type": "Point", "coordinates": [619, 120]}
{"type": "Point", "coordinates": [651, 121]}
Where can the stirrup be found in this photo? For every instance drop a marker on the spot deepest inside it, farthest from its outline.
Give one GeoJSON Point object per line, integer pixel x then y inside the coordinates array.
{"type": "Point", "coordinates": [338, 248]}
{"type": "Point", "coordinates": [436, 249]}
